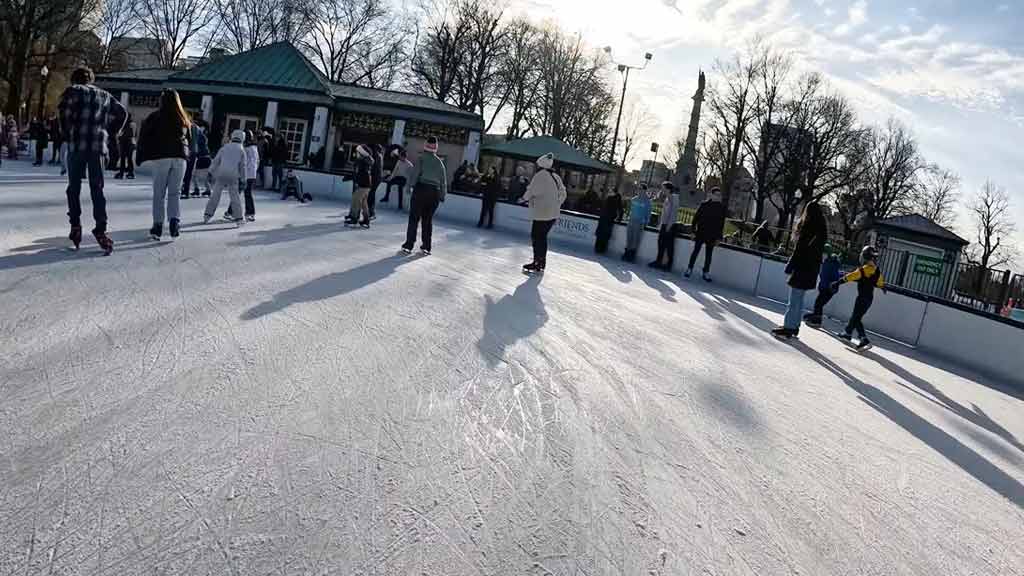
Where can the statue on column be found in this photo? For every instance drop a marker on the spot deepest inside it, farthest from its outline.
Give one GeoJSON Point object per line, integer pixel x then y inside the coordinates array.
{"type": "Point", "coordinates": [686, 167]}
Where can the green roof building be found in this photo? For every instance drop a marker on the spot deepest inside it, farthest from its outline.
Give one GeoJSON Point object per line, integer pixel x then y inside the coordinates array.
{"type": "Point", "coordinates": [276, 86]}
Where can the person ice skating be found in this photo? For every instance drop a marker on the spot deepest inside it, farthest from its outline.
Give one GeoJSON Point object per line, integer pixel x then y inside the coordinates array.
{"type": "Point", "coordinates": [611, 212]}
{"type": "Point", "coordinates": [545, 195]}
{"type": "Point", "coordinates": [164, 148]}
{"type": "Point", "coordinates": [868, 277]}
{"type": "Point", "coordinates": [190, 162]}
{"type": "Point", "coordinates": [399, 176]}
{"type": "Point", "coordinates": [278, 158]}
{"type": "Point", "coordinates": [56, 140]}
{"type": "Point", "coordinates": [252, 164]}
{"type": "Point", "coordinates": [831, 271]}
{"type": "Point", "coordinates": [429, 182]}
{"type": "Point", "coordinates": [41, 136]}
{"type": "Point", "coordinates": [376, 178]}
{"type": "Point", "coordinates": [667, 228]}
{"type": "Point", "coordinates": [804, 264]}
{"type": "Point", "coordinates": [359, 212]}
{"type": "Point", "coordinates": [11, 134]}
{"type": "Point", "coordinates": [291, 186]}
{"type": "Point", "coordinates": [490, 191]}
{"type": "Point", "coordinates": [708, 224]}
{"type": "Point", "coordinates": [128, 142]}
{"type": "Point", "coordinates": [86, 115]}
{"type": "Point", "coordinates": [201, 174]}
{"type": "Point", "coordinates": [639, 216]}
{"type": "Point", "coordinates": [227, 169]}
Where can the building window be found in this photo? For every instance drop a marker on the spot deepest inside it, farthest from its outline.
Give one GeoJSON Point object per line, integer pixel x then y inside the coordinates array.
{"type": "Point", "coordinates": [294, 132]}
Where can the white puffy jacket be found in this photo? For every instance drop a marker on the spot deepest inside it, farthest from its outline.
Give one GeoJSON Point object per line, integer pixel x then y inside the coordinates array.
{"type": "Point", "coordinates": [252, 161]}
{"type": "Point", "coordinates": [545, 194]}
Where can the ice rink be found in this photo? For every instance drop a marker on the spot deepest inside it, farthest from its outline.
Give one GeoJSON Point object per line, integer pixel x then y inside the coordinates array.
{"type": "Point", "coordinates": [293, 397]}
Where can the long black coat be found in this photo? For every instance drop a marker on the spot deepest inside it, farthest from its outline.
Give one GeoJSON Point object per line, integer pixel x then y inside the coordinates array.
{"type": "Point", "coordinates": [611, 211]}
{"type": "Point", "coordinates": [805, 263]}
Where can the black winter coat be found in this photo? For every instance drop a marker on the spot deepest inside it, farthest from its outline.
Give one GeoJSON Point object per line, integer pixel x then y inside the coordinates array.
{"type": "Point", "coordinates": [805, 263]}
{"type": "Point", "coordinates": [160, 138]}
{"type": "Point", "coordinates": [709, 221]}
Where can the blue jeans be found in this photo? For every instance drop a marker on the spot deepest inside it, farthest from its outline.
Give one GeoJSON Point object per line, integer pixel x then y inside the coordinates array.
{"type": "Point", "coordinates": [78, 164]}
{"type": "Point", "coordinates": [795, 311]}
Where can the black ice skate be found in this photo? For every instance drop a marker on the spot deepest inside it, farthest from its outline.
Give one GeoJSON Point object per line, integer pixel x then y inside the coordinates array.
{"type": "Point", "coordinates": [156, 231]}
{"type": "Point", "coordinates": [785, 333]}
{"type": "Point", "coordinates": [175, 228]}
{"type": "Point", "coordinates": [76, 237]}
{"type": "Point", "coordinates": [106, 244]}
{"type": "Point", "coordinates": [864, 345]}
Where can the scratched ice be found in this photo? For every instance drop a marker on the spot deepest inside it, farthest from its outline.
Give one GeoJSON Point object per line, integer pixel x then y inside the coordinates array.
{"type": "Point", "coordinates": [291, 397]}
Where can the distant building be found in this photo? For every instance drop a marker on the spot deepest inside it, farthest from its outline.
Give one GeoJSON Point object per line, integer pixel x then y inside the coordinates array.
{"type": "Point", "coordinates": [129, 53]}
{"type": "Point", "coordinates": [917, 254]}
{"type": "Point", "coordinates": [190, 62]}
{"type": "Point", "coordinates": [653, 172]}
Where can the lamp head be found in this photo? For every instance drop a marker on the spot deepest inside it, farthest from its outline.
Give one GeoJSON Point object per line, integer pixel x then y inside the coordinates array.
{"type": "Point", "coordinates": [648, 56]}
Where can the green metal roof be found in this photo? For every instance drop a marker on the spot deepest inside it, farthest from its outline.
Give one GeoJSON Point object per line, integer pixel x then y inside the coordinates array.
{"type": "Point", "coordinates": [533, 148]}
{"type": "Point", "coordinates": [277, 65]}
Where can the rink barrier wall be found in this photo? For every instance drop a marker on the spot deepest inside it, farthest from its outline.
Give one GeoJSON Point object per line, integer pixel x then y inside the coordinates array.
{"type": "Point", "coordinates": [987, 344]}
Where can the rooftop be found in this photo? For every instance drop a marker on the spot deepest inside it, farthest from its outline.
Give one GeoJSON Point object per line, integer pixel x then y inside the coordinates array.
{"type": "Point", "coordinates": [921, 225]}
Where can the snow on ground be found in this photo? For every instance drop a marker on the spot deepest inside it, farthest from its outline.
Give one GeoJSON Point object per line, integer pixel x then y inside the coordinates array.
{"type": "Point", "coordinates": [292, 397]}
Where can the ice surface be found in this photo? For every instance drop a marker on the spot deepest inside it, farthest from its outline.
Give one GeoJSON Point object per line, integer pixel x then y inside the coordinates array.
{"type": "Point", "coordinates": [291, 397]}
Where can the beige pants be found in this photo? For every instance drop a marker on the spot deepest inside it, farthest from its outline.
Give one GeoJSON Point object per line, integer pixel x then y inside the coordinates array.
{"type": "Point", "coordinates": [360, 207]}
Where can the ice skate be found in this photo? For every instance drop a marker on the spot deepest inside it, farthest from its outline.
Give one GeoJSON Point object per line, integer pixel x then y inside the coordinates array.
{"type": "Point", "coordinates": [250, 218]}
{"type": "Point", "coordinates": [184, 195]}
{"type": "Point", "coordinates": [688, 273]}
{"type": "Point", "coordinates": [706, 277]}
{"type": "Point", "coordinates": [848, 338]}
{"type": "Point", "coordinates": [195, 193]}
{"type": "Point", "coordinates": [863, 345]}
{"type": "Point", "coordinates": [175, 229]}
{"type": "Point", "coordinates": [406, 251]}
{"type": "Point", "coordinates": [425, 251]}
{"type": "Point", "coordinates": [76, 237]}
{"type": "Point", "coordinates": [206, 193]}
{"type": "Point", "coordinates": [106, 244]}
{"type": "Point", "coordinates": [156, 231]}
{"type": "Point", "coordinates": [812, 320]}
{"type": "Point", "coordinates": [784, 333]}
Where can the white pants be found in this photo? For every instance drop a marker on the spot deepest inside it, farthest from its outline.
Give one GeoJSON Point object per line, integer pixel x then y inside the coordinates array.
{"type": "Point", "coordinates": [219, 185]}
{"type": "Point", "coordinates": [168, 174]}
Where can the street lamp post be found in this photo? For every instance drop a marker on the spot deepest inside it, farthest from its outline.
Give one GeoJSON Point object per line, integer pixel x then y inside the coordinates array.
{"type": "Point", "coordinates": [624, 69]}
{"type": "Point", "coordinates": [650, 173]}
{"type": "Point", "coordinates": [44, 75]}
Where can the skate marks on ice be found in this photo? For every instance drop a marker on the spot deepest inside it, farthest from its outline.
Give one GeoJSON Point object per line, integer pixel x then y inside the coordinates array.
{"type": "Point", "coordinates": [953, 450]}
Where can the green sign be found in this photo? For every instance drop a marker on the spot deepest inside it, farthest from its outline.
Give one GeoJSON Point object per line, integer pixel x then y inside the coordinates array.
{"type": "Point", "coordinates": [928, 266]}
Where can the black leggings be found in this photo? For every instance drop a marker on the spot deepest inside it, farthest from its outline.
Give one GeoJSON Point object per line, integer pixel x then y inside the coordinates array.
{"type": "Point", "coordinates": [667, 246]}
{"type": "Point", "coordinates": [425, 198]}
{"type": "Point", "coordinates": [824, 297]}
{"type": "Point", "coordinates": [250, 206]}
{"type": "Point", "coordinates": [709, 250]}
{"type": "Point", "coordinates": [860, 308]}
{"type": "Point", "coordinates": [487, 212]}
{"type": "Point", "coordinates": [539, 235]}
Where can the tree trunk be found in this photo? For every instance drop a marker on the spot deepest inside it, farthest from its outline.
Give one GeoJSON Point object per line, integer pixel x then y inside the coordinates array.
{"type": "Point", "coordinates": [18, 67]}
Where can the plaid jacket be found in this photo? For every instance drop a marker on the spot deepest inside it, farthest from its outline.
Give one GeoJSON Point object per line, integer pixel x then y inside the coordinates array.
{"type": "Point", "coordinates": [87, 113]}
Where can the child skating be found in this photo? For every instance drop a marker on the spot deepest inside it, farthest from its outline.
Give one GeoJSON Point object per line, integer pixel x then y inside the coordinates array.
{"type": "Point", "coordinates": [227, 168]}
{"type": "Point", "coordinates": [831, 271]}
{"type": "Point", "coordinates": [868, 277]}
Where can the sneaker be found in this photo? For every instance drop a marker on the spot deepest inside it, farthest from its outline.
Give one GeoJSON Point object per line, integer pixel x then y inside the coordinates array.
{"type": "Point", "coordinates": [175, 230]}
{"type": "Point", "coordinates": [156, 231]}
{"type": "Point", "coordinates": [251, 217]}
{"type": "Point", "coordinates": [76, 236]}
{"type": "Point", "coordinates": [687, 273]}
{"type": "Point", "coordinates": [706, 277]}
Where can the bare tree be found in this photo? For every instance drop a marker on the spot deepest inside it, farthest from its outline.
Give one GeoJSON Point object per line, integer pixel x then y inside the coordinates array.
{"type": "Point", "coordinates": [731, 103]}
{"type": "Point", "coordinates": [174, 25]}
{"type": "Point", "coordinates": [638, 127]}
{"type": "Point", "coordinates": [478, 82]}
{"type": "Point", "coordinates": [764, 140]}
{"type": "Point", "coordinates": [520, 75]}
{"type": "Point", "coordinates": [439, 56]}
{"type": "Point", "coordinates": [573, 101]}
{"type": "Point", "coordinates": [355, 41]}
{"type": "Point", "coordinates": [994, 227]}
{"type": "Point", "coordinates": [248, 24]}
{"type": "Point", "coordinates": [936, 195]}
{"type": "Point", "coordinates": [892, 171]}
{"type": "Point", "coordinates": [34, 31]}
{"type": "Point", "coordinates": [115, 19]}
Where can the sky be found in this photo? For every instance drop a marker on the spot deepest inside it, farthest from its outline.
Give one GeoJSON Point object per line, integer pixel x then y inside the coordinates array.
{"type": "Point", "coordinates": [951, 70]}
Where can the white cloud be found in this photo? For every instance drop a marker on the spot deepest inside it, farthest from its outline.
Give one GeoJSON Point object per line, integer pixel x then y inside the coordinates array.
{"type": "Point", "coordinates": [856, 16]}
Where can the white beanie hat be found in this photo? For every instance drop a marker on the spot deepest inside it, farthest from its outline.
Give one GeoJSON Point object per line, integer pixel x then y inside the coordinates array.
{"type": "Point", "coordinates": [238, 136]}
{"type": "Point", "coordinates": [546, 161]}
